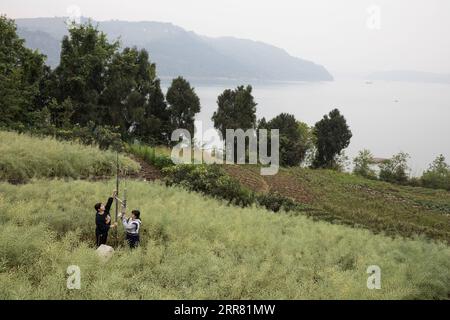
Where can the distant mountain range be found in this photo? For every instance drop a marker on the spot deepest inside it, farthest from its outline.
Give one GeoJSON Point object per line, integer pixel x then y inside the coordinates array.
{"type": "Point", "coordinates": [179, 52]}
{"type": "Point", "coordinates": [410, 76]}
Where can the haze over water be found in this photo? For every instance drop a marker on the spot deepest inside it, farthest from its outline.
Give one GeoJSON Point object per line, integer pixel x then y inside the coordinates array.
{"type": "Point", "coordinates": [385, 117]}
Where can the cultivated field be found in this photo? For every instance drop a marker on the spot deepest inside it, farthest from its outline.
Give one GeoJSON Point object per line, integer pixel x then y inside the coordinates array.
{"type": "Point", "coordinates": [359, 202]}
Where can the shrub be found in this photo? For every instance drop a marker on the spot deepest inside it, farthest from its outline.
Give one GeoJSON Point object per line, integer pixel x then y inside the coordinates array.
{"type": "Point", "coordinates": [210, 180]}
{"type": "Point", "coordinates": [213, 181]}
{"type": "Point", "coordinates": [438, 175]}
{"type": "Point", "coordinates": [149, 155]}
{"type": "Point", "coordinates": [395, 169]}
{"type": "Point", "coordinates": [362, 165]}
{"type": "Point", "coordinates": [276, 202]}
{"type": "Point", "coordinates": [161, 161]}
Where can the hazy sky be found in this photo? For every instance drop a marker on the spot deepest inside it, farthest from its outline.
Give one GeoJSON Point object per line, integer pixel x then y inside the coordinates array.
{"type": "Point", "coordinates": [346, 36]}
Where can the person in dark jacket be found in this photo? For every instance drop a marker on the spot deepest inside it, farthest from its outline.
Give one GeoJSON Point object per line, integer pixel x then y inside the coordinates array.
{"type": "Point", "coordinates": [103, 220]}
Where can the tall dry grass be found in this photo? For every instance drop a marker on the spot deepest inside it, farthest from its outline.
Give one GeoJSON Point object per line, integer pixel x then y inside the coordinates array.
{"type": "Point", "coordinates": [23, 157]}
{"type": "Point", "coordinates": [195, 247]}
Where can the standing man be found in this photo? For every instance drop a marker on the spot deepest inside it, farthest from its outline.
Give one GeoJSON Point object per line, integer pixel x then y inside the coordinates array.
{"type": "Point", "coordinates": [103, 220]}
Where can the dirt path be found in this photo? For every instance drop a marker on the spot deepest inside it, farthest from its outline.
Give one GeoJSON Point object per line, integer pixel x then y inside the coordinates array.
{"type": "Point", "coordinates": [147, 172]}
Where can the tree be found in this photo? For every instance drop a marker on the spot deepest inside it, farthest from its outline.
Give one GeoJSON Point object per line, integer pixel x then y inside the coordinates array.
{"type": "Point", "coordinates": [306, 134]}
{"type": "Point", "coordinates": [86, 54]}
{"type": "Point", "coordinates": [332, 136]}
{"type": "Point", "coordinates": [236, 110]}
{"type": "Point", "coordinates": [184, 104]}
{"type": "Point", "coordinates": [21, 71]}
{"type": "Point", "coordinates": [132, 98]}
{"type": "Point", "coordinates": [111, 88]}
{"type": "Point", "coordinates": [60, 113]}
{"type": "Point", "coordinates": [395, 169]}
{"type": "Point", "coordinates": [362, 164]}
{"type": "Point", "coordinates": [157, 125]}
{"type": "Point", "coordinates": [438, 174]}
{"type": "Point", "coordinates": [293, 147]}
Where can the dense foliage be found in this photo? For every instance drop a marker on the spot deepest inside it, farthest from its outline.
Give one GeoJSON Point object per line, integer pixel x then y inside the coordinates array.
{"type": "Point", "coordinates": [363, 163]}
{"type": "Point", "coordinates": [150, 155]}
{"type": "Point", "coordinates": [95, 86]}
{"type": "Point", "coordinates": [294, 140]}
{"type": "Point", "coordinates": [21, 73]}
{"type": "Point", "coordinates": [210, 180]}
{"type": "Point", "coordinates": [396, 169]}
{"type": "Point", "coordinates": [332, 136]}
{"type": "Point", "coordinates": [438, 175]}
{"type": "Point", "coordinates": [236, 110]}
{"type": "Point", "coordinates": [184, 104]}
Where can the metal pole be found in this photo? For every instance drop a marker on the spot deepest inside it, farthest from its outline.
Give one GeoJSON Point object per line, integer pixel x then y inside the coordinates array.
{"type": "Point", "coordinates": [117, 194]}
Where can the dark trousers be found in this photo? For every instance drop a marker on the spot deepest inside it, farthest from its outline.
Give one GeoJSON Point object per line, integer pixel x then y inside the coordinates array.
{"type": "Point", "coordinates": [133, 240]}
{"type": "Point", "coordinates": [101, 238]}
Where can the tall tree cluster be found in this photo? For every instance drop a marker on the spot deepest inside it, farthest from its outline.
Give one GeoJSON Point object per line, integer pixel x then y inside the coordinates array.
{"type": "Point", "coordinates": [21, 73]}
{"type": "Point", "coordinates": [101, 92]}
{"type": "Point", "coordinates": [325, 141]}
{"type": "Point", "coordinates": [96, 86]}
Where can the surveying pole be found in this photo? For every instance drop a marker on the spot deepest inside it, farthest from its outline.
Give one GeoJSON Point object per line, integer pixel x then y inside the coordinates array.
{"type": "Point", "coordinates": [117, 195]}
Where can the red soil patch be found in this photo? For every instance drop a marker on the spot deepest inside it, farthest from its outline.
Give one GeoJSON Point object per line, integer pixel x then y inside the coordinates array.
{"type": "Point", "coordinates": [282, 182]}
{"type": "Point", "coordinates": [247, 178]}
{"type": "Point", "coordinates": [147, 172]}
{"type": "Point", "coordinates": [288, 186]}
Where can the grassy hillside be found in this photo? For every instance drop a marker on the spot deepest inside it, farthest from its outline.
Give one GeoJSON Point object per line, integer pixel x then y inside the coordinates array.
{"type": "Point", "coordinates": [195, 247]}
{"type": "Point", "coordinates": [352, 200]}
{"type": "Point", "coordinates": [23, 157]}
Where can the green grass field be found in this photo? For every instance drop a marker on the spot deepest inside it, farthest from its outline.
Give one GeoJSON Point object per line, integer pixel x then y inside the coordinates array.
{"type": "Point", "coordinates": [194, 247]}
{"type": "Point", "coordinates": [23, 157]}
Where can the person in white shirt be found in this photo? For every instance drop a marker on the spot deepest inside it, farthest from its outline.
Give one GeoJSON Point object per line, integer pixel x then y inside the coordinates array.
{"type": "Point", "coordinates": [132, 226]}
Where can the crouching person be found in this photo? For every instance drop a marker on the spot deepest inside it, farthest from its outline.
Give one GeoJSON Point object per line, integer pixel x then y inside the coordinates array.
{"type": "Point", "coordinates": [132, 226]}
